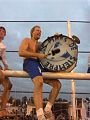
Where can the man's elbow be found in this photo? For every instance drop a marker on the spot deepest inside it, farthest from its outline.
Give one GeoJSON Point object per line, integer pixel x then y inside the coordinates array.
{"type": "Point", "coordinates": [20, 53]}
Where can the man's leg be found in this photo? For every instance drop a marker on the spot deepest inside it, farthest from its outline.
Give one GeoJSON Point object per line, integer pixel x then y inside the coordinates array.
{"type": "Point", "coordinates": [6, 92]}
{"type": "Point", "coordinates": [56, 85]}
{"type": "Point", "coordinates": [4, 97]}
{"type": "Point", "coordinates": [1, 76]}
{"type": "Point", "coordinates": [38, 100]}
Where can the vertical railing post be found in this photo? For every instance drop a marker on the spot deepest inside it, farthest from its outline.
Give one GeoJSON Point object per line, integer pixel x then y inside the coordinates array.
{"type": "Point", "coordinates": [72, 81]}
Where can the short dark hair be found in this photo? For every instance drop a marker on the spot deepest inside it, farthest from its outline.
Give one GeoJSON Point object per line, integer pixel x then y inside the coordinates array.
{"type": "Point", "coordinates": [33, 28]}
{"type": "Point", "coordinates": [1, 27]}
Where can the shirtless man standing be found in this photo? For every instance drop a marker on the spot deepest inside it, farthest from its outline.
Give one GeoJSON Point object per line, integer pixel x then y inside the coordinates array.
{"type": "Point", "coordinates": [4, 81]}
{"type": "Point", "coordinates": [28, 49]}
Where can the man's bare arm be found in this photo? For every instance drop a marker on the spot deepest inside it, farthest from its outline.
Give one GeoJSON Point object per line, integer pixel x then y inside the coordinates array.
{"type": "Point", "coordinates": [23, 52]}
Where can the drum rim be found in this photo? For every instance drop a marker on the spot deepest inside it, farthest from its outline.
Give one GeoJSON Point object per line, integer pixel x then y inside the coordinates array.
{"type": "Point", "coordinates": [72, 66]}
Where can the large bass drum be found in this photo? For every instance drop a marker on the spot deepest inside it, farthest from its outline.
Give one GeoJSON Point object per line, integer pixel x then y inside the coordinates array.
{"type": "Point", "coordinates": [61, 53]}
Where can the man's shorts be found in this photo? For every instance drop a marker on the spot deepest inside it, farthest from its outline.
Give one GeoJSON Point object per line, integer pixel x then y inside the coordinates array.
{"type": "Point", "coordinates": [88, 71]}
{"type": "Point", "coordinates": [32, 67]}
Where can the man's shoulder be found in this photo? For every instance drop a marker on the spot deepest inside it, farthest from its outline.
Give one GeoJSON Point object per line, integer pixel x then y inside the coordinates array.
{"type": "Point", "coordinates": [2, 45]}
{"type": "Point", "coordinates": [26, 39]}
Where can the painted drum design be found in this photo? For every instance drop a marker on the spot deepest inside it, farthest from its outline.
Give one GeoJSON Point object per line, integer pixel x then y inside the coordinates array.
{"type": "Point", "coordinates": [61, 53]}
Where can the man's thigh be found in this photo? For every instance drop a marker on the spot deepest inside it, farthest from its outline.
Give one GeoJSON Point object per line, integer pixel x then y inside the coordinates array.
{"type": "Point", "coordinates": [1, 77]}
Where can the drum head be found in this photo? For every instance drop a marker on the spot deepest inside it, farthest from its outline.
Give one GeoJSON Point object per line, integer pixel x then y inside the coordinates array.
{"type": "Point", "coordinates": [61, 53]}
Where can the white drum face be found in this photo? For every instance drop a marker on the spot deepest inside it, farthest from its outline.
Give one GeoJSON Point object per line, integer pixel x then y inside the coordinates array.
{"type": "Point", "coordinates": [61, 53]}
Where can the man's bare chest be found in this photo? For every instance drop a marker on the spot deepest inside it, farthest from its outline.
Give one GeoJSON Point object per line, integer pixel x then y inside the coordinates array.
{"type": "Point", "coordinates": [32, 46]}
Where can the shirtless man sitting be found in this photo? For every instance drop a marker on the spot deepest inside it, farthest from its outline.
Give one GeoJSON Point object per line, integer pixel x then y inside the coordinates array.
{"type": "Point", "coordinates": [28, 49]}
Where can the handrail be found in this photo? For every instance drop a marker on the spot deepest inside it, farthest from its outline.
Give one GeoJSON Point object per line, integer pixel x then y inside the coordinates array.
{"type": "Point", "coordinates": [78, 51]}
{"type": "Point", "coordinates": [78, 21]}
{"type": "Point", "coordinates": [50, 75]}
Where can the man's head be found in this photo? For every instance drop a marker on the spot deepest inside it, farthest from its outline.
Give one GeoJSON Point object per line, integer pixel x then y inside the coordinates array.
{"type": "Point", "coordinates": [35, 32]}
{"type": "Point", "coordinates": [2, 32]}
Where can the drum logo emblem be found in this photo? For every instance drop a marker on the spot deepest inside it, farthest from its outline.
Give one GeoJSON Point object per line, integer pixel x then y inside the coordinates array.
{"type": "Point", "coordinates": [61, 53]}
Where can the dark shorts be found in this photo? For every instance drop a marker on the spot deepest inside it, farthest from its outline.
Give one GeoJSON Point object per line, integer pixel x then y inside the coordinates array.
{"type": "Point", "coordinates": [88, 71]}
{"type": "Point", "coordinates": [32, 67]}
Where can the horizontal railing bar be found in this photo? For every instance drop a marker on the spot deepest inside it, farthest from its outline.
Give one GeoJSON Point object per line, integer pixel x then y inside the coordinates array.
{"type": "Point", "coordinates": [81, 21]}
{"type": "Point", "coordinates": [49, 75]}
{"type": "Point", "coordinates": [46, 92]}
{"type": "Point", "coordinates": [78, 51]}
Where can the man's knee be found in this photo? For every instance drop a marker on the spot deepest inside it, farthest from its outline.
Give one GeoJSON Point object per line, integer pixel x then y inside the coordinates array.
{"type": "Point", "coordinates": [57, 84]}
{"type": "Point", "coordinates": [1, 75]}
{"type": "Point", "coordinates": [8, 84]}
{"type": "Point", "coordinates": [38, 82]}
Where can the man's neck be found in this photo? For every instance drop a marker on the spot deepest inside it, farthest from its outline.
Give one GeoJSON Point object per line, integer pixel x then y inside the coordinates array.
{"type": "Point", "coordinates": [35, 40]}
